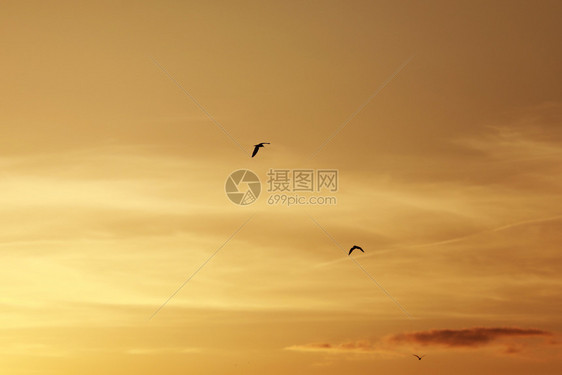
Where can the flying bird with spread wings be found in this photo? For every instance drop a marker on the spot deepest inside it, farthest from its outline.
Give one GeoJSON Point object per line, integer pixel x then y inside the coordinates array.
{"type": "Point", "coordinates": [353, 248]}
{"type": "Point", "coordinates": [257, 147]}
{"type": "Point", "coordinates": [418, 357]}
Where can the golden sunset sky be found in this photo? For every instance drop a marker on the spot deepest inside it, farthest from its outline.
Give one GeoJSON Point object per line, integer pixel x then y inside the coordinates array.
{"type": "Point", "coordinates": [112, 187]}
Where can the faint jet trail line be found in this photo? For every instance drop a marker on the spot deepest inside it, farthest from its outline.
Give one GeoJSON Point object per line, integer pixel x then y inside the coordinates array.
{"type": "Point", "coordinates": [199, 105]}
{"type": "Point", "coordinates": [362, 269]}
{"type": "Point", "coordinates": [358, 110]}
{"type": "Point", "coordinates": [492, 230]}
{"type": "Point", "coordinates": [200, 268]}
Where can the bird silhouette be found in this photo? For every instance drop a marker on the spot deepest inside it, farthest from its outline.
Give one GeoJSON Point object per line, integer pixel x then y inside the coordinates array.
{"type": "Point", "coordinates": [257, 147]}
{"type": "Point", "coordinates": [418, 357]}
{"type": "Point", "coordinates": [353, 248]}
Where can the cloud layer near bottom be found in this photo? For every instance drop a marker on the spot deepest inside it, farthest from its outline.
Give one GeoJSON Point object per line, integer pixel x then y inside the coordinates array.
{"type": "Point", "coordinates": [475, 337]}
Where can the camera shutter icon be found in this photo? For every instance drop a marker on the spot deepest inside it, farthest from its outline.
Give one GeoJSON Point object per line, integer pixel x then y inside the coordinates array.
{"type": "Point", "coordinates": [243, 187]}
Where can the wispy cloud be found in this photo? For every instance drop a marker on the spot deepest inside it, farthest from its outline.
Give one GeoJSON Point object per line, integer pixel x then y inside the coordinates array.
{"type": "Point", "coordinates": [149, 351]}
{"type": "Point", "coordinates": [347, 347]}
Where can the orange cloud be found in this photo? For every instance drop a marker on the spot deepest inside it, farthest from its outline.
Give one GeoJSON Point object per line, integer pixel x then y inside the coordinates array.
{"type": "Point", "coordinates": [363, 346]}
{"type": "Point", "coordinates": [451, 338]}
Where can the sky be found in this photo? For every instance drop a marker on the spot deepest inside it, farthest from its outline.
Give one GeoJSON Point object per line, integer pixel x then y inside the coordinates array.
{"type": "Point", "coordinates": [443, 120]}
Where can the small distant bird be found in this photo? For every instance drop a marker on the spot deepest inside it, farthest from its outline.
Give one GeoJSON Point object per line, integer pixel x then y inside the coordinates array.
{"type": "Point", "coordinates": [418, 357]}
{"type": "Point", "coordinates": [257, 147]}
{"type": "Point", "coordinates": [353, 248]}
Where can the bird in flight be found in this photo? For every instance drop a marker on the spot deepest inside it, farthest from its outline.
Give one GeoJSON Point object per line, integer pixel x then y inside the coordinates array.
{"type": "Point", "coordinates": [257, 147]}
{"type": "Point", "coordinates": [353, 248]}
{"type": "Point", "coordinates": [418, 357]}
